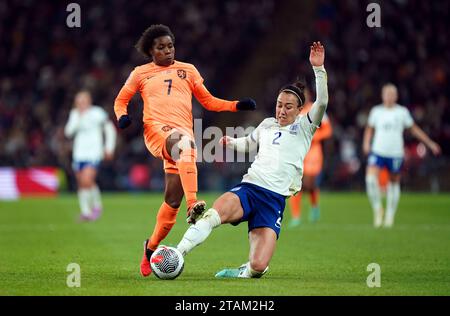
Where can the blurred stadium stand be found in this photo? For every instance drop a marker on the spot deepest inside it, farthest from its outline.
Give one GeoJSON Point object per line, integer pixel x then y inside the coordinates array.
{"type": "Point", "coordinates": [242, 48]}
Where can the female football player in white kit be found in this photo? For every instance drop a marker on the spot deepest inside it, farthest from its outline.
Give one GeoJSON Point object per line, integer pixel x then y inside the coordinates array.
{"type": "Point", "coordinates": [274, 175]}
{"type": "Point", "coordinates": [86, 124]}
{"type": "Point", "coordinates": [388, 121]}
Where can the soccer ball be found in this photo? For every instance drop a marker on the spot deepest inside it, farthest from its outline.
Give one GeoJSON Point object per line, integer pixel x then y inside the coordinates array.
{"type": "Point", "coordinates": [167, 262]}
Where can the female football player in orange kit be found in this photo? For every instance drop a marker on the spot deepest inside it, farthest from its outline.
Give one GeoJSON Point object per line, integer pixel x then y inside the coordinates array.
{"type": "Point", "coordinates": [312, 168]}
{"type": "Point", "coordinates": [166, 87]}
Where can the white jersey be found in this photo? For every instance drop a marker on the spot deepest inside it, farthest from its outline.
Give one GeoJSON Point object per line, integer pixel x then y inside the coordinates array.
{"type": "Point", "coordinates": [278, 166]}
{"type": "Point", "coordinates": [87, 129]}
{"type": "Point", "coordinates": [389, 124]}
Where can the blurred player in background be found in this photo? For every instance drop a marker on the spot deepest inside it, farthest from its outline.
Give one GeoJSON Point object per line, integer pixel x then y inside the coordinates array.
{"type": "Point", "coordinates": [312, 168]}
{"type": "Point", "coordinates": [275, 174]}
{"type": "Point", "coordinates": [86, 124]}
{"type": "Point", "coordinates": [386, 124]}
{"type": "Point", "coordinates": [166, 87]}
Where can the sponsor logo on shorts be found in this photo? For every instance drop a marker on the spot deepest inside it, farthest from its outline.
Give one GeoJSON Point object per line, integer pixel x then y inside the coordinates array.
{"type": "Point", "coordinates": [278, 223]}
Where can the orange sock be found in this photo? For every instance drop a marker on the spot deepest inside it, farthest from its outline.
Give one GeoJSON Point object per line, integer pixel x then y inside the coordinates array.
{"type": "Point", "coordinates": [188, 174]}
{"type": "Point", "coordinates": [164, 222]}
{"type": "Point", "coordinates": [296, 207]}
{"type": "Point", "coordinates": [314, 196]}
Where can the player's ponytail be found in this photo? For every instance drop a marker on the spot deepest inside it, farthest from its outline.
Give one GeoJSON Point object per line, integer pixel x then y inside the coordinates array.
{"type": "Point", "coordinates": [298, 89]}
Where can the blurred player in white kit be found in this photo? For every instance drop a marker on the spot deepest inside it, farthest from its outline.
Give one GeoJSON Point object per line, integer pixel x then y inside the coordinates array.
{"type": "Point", "coordinates": [87, 123]}
{"type": "Point", "coordinates": [386, 124]}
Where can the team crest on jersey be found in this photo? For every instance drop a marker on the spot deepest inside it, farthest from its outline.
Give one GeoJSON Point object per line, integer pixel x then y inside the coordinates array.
{"type": "Point", "coordinates": [181, 73]}
{"type": "Point", "coordinates": [293, 129]}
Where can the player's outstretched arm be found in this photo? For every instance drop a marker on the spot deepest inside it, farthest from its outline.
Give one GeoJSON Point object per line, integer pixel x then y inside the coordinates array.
{"type": "Point", "coordinates": [423, 137]}
{"type": "Point", "coordinates": [241, 144]}
{"type": "Point", "coordinates": [317, 59]}
{"type": "Point", "coordinates": [211, 103]}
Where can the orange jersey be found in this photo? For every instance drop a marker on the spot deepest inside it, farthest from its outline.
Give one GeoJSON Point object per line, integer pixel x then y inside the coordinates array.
{"type": "Point", "coordinates": [314, 158]}
{"type": "Point", "coordinates": [167, 94]}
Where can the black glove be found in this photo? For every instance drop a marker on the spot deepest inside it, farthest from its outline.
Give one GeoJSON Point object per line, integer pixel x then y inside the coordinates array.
{"type": "Point", "coordinates": [124, 121]}
{"type": "Point", "coordinates": [246, 105]}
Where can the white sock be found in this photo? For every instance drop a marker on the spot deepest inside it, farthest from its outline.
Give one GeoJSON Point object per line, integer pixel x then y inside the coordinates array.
{"type": "Point", "coordinates": [373, 192]}
{"type": "Point", "coordinates": [393, 196]}
{"type": "Point", "coordinates": [96, 198]}
{"type": "Point", "coordinates": [248, 272]}
{"type": "Point", "coordinates": [197, 233]}
{"type": "Point", "coordinates": [83, 199]}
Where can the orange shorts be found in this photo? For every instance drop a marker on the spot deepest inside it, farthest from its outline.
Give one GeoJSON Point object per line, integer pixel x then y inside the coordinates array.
{"type": "Point", "coordinates": [313, 163]}
{"type": "Point", "coordinates": [155, 135]}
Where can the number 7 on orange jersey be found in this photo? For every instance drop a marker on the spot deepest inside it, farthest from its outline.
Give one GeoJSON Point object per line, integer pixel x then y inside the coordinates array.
{"type": "Point", "coordinates": [170, 85]}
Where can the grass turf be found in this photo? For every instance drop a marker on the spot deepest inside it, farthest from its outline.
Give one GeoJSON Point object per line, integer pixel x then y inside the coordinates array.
{"type": "Point", "coordinates": [40, 237]}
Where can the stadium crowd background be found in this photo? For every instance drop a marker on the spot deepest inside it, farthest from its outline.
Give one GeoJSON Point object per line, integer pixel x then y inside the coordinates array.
{"type": "Point", "coordinates": [242, 48]}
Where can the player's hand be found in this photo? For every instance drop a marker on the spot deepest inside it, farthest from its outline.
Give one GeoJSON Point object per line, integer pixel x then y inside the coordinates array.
{"type": "Point", "coordinates": [225, 140]}
{"type": "Point", "coordinates": [108, 156]}
{"type": "Point", "coordinates": [435, 148]}
{"type": "Point", "coordinates": [246, 105]}
{"type": "Point", "coordinates": [317, 54]}
{"type": "Point", "coordinates": [124, 121]}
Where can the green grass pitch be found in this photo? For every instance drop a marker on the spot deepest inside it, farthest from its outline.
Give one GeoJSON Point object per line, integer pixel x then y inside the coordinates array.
{"type": "Point", "coordinates": [40, 237]}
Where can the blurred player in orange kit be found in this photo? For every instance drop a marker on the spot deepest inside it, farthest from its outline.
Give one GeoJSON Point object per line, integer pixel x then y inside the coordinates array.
{"type": "Point", "coordinates": [166, 87]}
{"type": "Point", "coordinates": [312, 168]}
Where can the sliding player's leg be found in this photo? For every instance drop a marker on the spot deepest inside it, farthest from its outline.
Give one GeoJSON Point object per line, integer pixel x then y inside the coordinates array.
{"type": "Point", "coordinates": [262, 246]}
{"type": "Point", "coordinates": [263, 209]}
{"type": "Point", "coordinates": [226, 209]}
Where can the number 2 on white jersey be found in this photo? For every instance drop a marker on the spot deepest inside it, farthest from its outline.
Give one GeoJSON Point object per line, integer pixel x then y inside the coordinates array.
{"type": "Point", "coordinates": [278, 135]}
